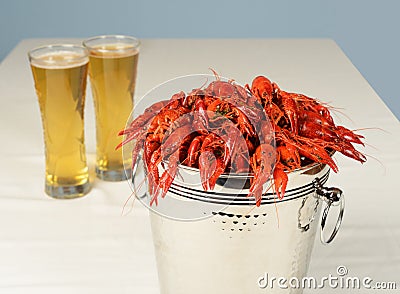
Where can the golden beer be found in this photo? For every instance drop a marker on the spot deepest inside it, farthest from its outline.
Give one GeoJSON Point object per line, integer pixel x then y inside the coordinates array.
{"type": "Point", "coordinates": [112, 71]}
{"type": "Point", "coordinates": [60, 82]}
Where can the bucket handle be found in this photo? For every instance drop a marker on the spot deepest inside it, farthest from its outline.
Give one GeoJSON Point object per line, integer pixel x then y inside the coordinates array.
{"type": "Point", "coordinates": [332, 196]}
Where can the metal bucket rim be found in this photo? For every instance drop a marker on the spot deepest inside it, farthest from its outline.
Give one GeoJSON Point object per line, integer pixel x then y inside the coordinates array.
{"type": "Point", "coordinates": [301, 170]}
{"type": "Point", "coordinates": [242, 199]}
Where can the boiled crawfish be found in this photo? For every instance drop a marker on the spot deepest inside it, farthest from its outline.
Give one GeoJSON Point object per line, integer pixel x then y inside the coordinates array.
{"type": "Point", "coordinates": [304, 129]}
{"type": "Point", "coordinates": [224, 128]}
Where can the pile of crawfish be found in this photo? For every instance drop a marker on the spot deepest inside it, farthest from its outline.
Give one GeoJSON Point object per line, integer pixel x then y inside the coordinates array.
{"type": "Point", "coordinates": [260, 130]}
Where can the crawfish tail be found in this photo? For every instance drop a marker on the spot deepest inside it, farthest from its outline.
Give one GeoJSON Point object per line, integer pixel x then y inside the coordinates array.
{"type": "Point", "coordinates": [263, 160]}
{"type": "Point", "coordinates": [280, 180]}
{"type": "Point", "coordinates": [207, 167]}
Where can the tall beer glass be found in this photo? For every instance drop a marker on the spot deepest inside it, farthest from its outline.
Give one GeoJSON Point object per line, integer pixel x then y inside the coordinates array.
{"type": "Point", "coordinates": [112, 71]}
{"type": "Point", "coordinates": [60, 73]}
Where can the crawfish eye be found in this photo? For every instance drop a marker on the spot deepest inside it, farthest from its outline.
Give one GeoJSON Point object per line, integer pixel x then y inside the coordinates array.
{"type": "Point", "coordinates": [218, 152]}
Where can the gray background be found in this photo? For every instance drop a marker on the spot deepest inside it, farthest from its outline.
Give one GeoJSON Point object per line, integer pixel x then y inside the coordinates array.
{"type": "Point", "coordinates": [367, 31]}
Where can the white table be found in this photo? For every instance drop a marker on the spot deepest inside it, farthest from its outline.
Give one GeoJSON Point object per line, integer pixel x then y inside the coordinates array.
{"type": "Point", "coordinates": [86, 246]}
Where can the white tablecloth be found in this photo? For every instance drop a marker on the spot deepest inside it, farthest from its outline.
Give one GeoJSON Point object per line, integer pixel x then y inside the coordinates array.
{"type": "Point", "coordinates": [86, 246]}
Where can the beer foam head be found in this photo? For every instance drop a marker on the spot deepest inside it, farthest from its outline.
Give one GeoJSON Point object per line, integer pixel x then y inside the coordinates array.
{"type": "Point", "coordinates": [113, 51]}
{"type": "Point", "coordinates": [110, 46]}
{"type": "Point", "coordinates": [58, 56]}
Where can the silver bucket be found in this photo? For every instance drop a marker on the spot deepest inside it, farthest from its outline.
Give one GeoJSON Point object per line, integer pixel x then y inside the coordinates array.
{"type": "Point", "coordinates": [235, 244]}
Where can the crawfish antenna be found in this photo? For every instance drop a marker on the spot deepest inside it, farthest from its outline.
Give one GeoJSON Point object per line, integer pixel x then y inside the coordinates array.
{"type": "Point", "coordinates": [215, 73]}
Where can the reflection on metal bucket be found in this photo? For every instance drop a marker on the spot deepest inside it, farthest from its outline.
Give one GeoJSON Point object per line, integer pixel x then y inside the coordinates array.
{"type": "Point", "coordinates": [228, 251]}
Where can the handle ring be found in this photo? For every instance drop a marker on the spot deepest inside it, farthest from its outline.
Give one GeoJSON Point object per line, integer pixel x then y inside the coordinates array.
{"type": "Point", "coordinates": [332, 196]}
